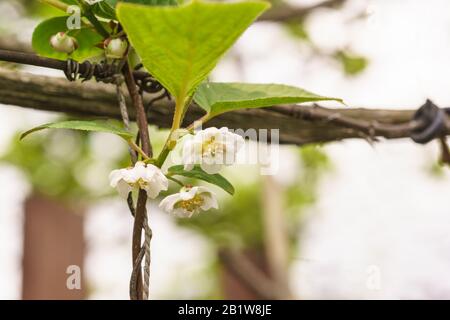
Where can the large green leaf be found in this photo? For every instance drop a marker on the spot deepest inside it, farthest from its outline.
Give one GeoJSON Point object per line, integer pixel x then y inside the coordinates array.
{"type": "Point", "coordinates": [180, 45]}
{"type": "Point", "coordinates": [86, 38]}
{"type": "Point", "coordinates": [107, 8]}
{"type": "Point", "coordinates": [94, 125]}
{"type": "Point", "coordinates": [198, 173]}
{"type": "Point", "coordinates": [217, 98]}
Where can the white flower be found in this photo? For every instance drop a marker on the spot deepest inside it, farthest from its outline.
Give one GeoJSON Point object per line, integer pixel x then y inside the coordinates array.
{"type": "Point", "coordinates": [142, 176]}
{"type": "Point", "coordinates": [211, 148]}
{"type": "Point", "coordinates": [115, 48]}
{"type": "Point", "coordinates": [188, 201]}
{"type": "Point", "coordinates": [63, 43]}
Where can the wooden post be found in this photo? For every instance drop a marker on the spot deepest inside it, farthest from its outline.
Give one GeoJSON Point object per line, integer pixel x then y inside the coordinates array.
{"type": "Point", "coordinates": [53, 241]}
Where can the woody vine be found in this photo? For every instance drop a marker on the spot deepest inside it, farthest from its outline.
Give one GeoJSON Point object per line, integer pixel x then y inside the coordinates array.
{"type": "Point", "coordinates": [176, 46]}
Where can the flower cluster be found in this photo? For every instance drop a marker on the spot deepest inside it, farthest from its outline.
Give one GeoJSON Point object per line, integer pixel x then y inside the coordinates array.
{"type": "Point", "coordinates": [211, 148]}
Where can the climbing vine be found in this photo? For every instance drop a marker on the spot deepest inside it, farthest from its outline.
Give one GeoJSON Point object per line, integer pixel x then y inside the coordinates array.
{"type": "Point", "coordinates": [167, 50]}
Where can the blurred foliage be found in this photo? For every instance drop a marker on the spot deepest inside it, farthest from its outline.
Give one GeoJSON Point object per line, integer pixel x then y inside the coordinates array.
{"type": "Point", "coordinates": [352, 64]}
{"type": "Point", "coordinates": [238, 222]}
{"type": "Point", "coordinates": [297, 30]}
{"type": "Point", "coordinates": [54, 161]}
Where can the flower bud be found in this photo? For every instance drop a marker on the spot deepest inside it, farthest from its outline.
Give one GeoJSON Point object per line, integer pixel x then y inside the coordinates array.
{"type": "Point", "coordinates": [61, 42]}
{"type": "Point", "coordinates": [115, 48]}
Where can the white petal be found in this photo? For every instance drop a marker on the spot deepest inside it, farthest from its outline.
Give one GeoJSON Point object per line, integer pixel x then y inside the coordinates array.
{"type": "Point", "coordinates": [169, 202]}
{"type": "Point", "coordinates": [115, 176]}
{"type": "Point", "coordinates": [123, 188]}
{"type": "Point", "coordinates": [208, 133]}
{"type": "Point", "coordinates": [211, 168]}
{"type": "Point", "coordinates": [139, 171]}
{"type": "Point", "coordinates": [210, 201]}
{"type": "Point", "coordinates": [191, 152]}
{"type": "Point", "coordinates": [152, 191]}
{"type": "Point", "coordinates": [188, 166]}
{"type": "Point", "coordinates": [188, 195]}
{"type": "Point", "coordinates": [182, 213]}
{"type": "Point", "coordinates": [162, 181]}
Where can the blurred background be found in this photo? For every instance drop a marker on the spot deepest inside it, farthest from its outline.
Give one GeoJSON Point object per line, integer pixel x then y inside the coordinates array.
{"type": "Point", "coordinates": [341, 220]}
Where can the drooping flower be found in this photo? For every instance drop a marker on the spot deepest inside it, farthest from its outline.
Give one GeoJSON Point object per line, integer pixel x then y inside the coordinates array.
{"type": "Point", "coordinates": [61, 42]}
{"type": "Point", "coordinates": [142, 176]}
{"type": "Point", "coordinates": [115, 48]}
{"type": "Point", "coordinates": [188, 201]}
{"type": "Point", "coordinates": [211, 149]}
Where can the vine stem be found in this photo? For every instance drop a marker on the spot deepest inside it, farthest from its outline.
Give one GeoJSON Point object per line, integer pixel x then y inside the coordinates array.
{"type": "Point", "coordinates": [141, 210]}
{"type": "Point", "coordinates": [169, 145]}
{"type": "Point", "coordinates": [135, 147]}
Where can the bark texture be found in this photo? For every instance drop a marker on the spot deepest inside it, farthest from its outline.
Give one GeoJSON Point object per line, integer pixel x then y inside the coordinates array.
{"type": "Point", "coordinates": [298, 124]}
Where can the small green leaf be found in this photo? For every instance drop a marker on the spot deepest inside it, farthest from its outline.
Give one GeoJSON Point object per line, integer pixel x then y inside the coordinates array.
{"type": "Point", "coordinates": [153, 2]}
{"type": "Point", "coordinates": [180, 45]}
{"type": "Point", "coordinates": [217, 98]}
{"type": "Point", "coordinates": [105, 9]}
{"type": "Point", "coordinates": [352, 64]}
{"type": "Point", "coordinates": [95, 125]}
{"type": "Point", "coordinates": [198, 173]}
{"type": "Point", "coordinates": [86, 38]}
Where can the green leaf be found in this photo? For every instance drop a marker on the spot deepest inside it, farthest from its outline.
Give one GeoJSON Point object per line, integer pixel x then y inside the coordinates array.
{"type": "Point", "coordinates": [217, 98]}
{"type": "Point", "coordinates": [86, 38]}
{"type": "Point", "coordinates": [94, 125]}
{"type": "Point", "coordinates": [153, 2]}
{"type": "Point", "coordinates": [105, 9]}
{"type": "Point", "coordinates": [198, 173]}
{"type": "Point", "coordinates": [180, 45]}
{"type": "Point", "coordinates": [352, 64]}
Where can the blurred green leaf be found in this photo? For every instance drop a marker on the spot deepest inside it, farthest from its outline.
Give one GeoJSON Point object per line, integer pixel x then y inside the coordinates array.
{"type": "Point", "coordinates": [180, 45]}
{"type": "Point", "coordinates": [240, 219]}
{"type": "Point", "coordinates": [298, 30]}
{"type": "Point", "coordinates": [352, 64]}
{"type": "Point", "coordinates": [217, 98]}
{"type": "Point", "coordinates": [86, 38]}
{"type": "Point", "coordinates": [198, 173]}
{"type": "Point", "coordinates": [95, 125]}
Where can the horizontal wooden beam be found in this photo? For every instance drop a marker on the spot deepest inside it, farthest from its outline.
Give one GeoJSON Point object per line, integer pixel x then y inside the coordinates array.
{"type": "Point", "coordinates": [298, 124]}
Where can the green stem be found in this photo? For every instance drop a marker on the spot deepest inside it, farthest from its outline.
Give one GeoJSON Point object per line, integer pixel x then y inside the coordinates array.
{"type": "Point", "coordinates": [170, 143]}
{"type": "Point", "coordinates": [194, 125]}
{"type": "Point", "coordinates": [93, 19]}
{"type": "Point", "coordinates": [56, 4]}
{"type": "Point", "coordinates": [178, 115]}
{"type": "Point", "coordinates": [135, 147]}
{"type": "Point", "coordinates": [163, 155]}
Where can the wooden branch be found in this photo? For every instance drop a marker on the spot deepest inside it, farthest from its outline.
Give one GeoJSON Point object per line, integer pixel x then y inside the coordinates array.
{"type": "Point", "coordinates": [298, 124]}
